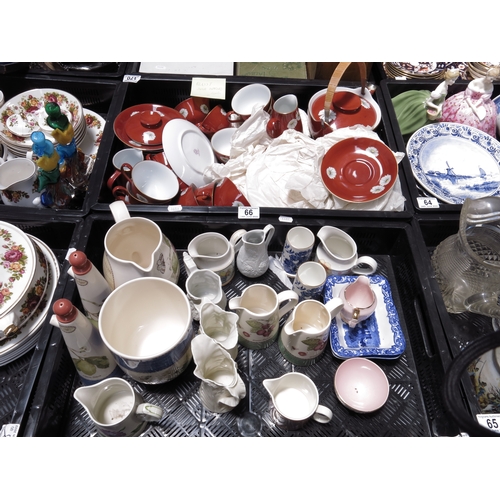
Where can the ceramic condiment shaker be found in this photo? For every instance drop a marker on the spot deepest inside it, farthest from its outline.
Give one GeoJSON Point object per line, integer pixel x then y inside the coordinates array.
{"type": "Point", "coordinates": [93, 360]}
{"type": "Point", "coordinates": [92, 286]}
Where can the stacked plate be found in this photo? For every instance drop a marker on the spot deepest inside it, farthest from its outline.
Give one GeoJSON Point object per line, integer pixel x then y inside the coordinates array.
{"type": "Point", "coordinates": [30, 273]}
{"type": "Point", "coordinates": [480, 69]}
{"type": "Point", "coordinates": [417, 70]}
{"type": "Point", "coordinates": [25, 113]}
{"type": "Point", "coordinates": [380, 336]}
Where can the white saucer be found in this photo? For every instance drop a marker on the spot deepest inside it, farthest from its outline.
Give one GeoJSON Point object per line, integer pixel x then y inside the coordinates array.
{"type": "Point", "coordinates": [187, 150]}
{"type": "Point", "coordinates": [31, 330]}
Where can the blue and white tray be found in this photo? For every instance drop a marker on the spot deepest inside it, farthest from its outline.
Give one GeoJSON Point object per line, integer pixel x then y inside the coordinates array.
{"type": "Point", "coordinates": [380, 336]}
{"type": "Point", "coordinates": [454, 161]}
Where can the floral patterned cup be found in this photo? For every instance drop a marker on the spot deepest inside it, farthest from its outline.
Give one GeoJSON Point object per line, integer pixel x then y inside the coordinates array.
{"type": "Point", "coordinates": [260, 309]}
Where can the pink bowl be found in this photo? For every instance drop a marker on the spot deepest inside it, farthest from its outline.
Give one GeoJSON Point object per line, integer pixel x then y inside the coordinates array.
{"type": "Point", "coordinates": [361, 385]}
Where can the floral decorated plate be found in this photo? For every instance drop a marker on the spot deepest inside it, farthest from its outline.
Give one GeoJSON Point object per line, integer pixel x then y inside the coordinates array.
{"type": "Point", "coordinates": [29, 332]}
{"type": "Point", "coordinates": [95, 127]}
{"type": "Point", "coordinates": [17, 266]}
{"type": "Point", "coordinates": [28, 107]}
{"type": "Point", "coordinates": [359, 169]}
{"type": "Point", "coordinates": [454, 161]}
{"type": "Point", "coordinates": [379, 336]}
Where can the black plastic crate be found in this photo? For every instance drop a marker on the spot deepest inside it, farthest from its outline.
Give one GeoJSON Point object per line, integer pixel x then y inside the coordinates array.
{"type": "Point", "coordinates": [170, 91]}
{"type": "Point", "coordinates": [105, 70]}
{"type": "Point", "coordinates": [95, 95]}
{"type": "Point", "coordinates": [19, 378]}
{"type": "Point", "coordinates": [461, 329]}
{"type": "Point", "coordinates": [391, 88]}
{"type": "Point", "coordinates": [414, 407]}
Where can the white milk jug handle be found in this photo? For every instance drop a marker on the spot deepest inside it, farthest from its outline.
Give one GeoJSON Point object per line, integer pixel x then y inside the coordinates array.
{"type": "Point", "coordinates": [323, 415]}
{"type": "Point", "coordinates": [189, 263]}
{"type": "Point", "coordinates": [149, 412]}
{"type": "Point", "coordinates": [283, 297]}
{"type": "Point", "coordinates": [365, 265]}
{"type": "Point", "coordinates": [119, 210]}
{"type": "Point", "coordinates": [236, 239]}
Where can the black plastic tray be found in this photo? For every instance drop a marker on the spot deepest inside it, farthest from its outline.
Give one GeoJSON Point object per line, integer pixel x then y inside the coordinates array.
{"type": "Point", "coordinates": [391, 88]}
{"type": "Point", "coordinates": [94, 94]}
{"type": "Point", "coordinates": [18, 379]}
{"type": "Point", "coordinates": [170, 91]}
{"type": "Point", "coordinates": [109, 70]}
{"type": "Point", "coordinates": [414, 407]}
{"type": "Point", "coordinates": [459, 329]}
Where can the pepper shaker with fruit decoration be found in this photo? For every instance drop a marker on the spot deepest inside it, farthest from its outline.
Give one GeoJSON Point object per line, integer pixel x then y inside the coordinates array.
{"type": "Point", "coordinates": [92, 359]}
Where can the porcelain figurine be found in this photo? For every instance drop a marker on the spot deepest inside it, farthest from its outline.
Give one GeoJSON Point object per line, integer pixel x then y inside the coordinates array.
{"type": "Point", "coordinates": [473, 106]}
{"type": "Point", "coordinates": [416, 108]}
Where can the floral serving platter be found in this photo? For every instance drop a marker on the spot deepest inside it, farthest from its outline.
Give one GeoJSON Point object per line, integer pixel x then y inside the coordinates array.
{"type": "Point", "coordinates": [359, 169]}
{"type": "Point", "coordinates": [17, 266]}
{"type": "Point", "coordinates": [29, 332]}
{"type": "Point", "coordinates": [454, 161]}
{"type": "Point", "coordinates": [379, 336]}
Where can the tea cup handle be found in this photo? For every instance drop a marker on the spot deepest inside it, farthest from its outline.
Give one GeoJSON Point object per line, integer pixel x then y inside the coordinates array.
{"type": "Point", "coordinates": [149, 412]}
{"type": "Point", "coordinates": [119, 210]}
{"type": "Point", "coordinates": [289, 299]}
{"type": "Point", "coordinates": [322, 415]}
{"type": "Point", "coordinates": [365, 265]}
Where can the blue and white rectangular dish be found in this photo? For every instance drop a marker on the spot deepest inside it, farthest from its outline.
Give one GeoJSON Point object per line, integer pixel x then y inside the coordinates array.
{"type": "Point", "coordinates": [380, 336]}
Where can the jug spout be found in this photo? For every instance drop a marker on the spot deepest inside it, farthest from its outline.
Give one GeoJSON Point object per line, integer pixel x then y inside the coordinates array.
{"type": "Point", "coordinates": [87, 396]}
{"type": "Point", "coordinates": [271, 385]}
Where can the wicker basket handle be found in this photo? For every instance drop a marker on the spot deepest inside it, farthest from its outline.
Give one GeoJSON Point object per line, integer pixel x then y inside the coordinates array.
{"type": "Point", "coordinates": [335, 79]}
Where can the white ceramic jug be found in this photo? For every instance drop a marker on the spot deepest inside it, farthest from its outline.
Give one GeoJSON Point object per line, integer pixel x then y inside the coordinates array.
{"type": "Point", "coordinates": [252, 260]}
{"type": "Point", "coordinates": [134, 247]}
{"type": "Point", "coordinates": [19, 183]}
{"type": "Point", "coordinates": [221, 387]}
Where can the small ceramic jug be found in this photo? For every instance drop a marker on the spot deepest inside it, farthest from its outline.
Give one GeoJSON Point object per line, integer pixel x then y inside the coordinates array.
{"type": "Point", "coordinates": [305, 335]}
{"type": "Point", "coordinates": [204, 286]}
{"type": "Point", "coordinates": [221, 387]}
{"type": "Point", "coordinates": [260, 309]}
{"type": "Point", "coordinates": [19, 183]}
{"type": "Point", "coordinates": [116, 409]}
{"type": "Point", "coordinates": [359, 300]}
{"type": "Point", "coordinates": [294, 401]}
{"type": "Point", "coordinates": [212, 251]}
{"type": "Point", "coordinates": [221, 326]}
{"type": "Point", "coordinates": [338, 253]}
{"type": "Point", "coordinates": [136, 248]}
{"type": "Point", "coordinates": [252, 260]}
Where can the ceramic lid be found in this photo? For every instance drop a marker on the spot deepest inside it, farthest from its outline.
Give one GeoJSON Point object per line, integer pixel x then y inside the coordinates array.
{"type": "Point", "coordinates": [17, 266]}
{"type": "Point", "coordinates": [141, 126]}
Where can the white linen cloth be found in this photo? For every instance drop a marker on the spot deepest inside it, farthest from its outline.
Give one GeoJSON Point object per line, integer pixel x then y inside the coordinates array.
{"type": "Point", "coordinates": [285, 172]}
